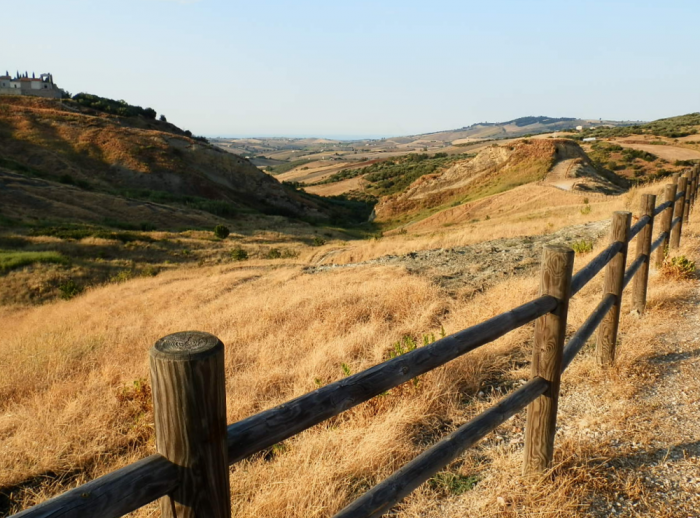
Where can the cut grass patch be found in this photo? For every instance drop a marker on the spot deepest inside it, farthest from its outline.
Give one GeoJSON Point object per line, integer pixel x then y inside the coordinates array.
{"type": "Point", "coordinates": [10, 259]}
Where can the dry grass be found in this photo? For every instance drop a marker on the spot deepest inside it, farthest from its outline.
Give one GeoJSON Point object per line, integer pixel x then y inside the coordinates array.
{"type": "Point", "coordinates": [523, 211]}
{"type": "Point", "coordinates": [70, 408]}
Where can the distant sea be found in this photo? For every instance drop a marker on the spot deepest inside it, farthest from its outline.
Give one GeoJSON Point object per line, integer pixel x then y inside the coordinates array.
{"type": "Point", "coordinates": [329, 137]}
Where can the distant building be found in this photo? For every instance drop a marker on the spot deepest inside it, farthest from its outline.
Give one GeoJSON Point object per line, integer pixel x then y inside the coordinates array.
{"type": "Point", "coordinates": [579, 128]}
{"type": "Point", "coordinates": [42, 86]}
{"type": "Point", "coordinates": [589, 139]}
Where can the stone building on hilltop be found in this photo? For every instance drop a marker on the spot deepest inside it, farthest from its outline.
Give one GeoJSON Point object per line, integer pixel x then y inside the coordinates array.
{"type": "Point", "coordinates": [43, 86]}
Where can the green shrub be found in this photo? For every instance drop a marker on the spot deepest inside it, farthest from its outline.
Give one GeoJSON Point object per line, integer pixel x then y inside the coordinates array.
{"type": "Point", "coordinates": [582, 247]}
{"type": "Point", "coordinates": [586, 209]}
{"type": "Point", "coordinates": [221, 231]}
{"type": "Point", "coordinates": [69, 289]}
{"type": "Point", "coordinates": [274, 253]}
{"type": "Point", "coordinates": [318, 241]}
{"type": "Point", "coordinates": [238, 254]}
{"type": "Point", "coordinates": [679, 267]}
{"type": "Point", "coordinates": [121, 108]}
{"type": "Point", "coordinates": [453, 484]}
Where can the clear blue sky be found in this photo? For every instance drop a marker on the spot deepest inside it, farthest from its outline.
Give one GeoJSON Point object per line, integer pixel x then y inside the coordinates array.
{"type": "Point", "coordinates": [312, 67]}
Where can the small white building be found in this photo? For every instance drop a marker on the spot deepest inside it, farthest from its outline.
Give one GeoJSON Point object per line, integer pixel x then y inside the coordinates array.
{"type": "Point", "coordinates": [579, 128]}
{"type": "Point", "coordinates": [22, 84]}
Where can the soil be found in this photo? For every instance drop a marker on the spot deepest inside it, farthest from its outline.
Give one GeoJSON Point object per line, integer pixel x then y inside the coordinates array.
{"type": "Point", "coordinates": [482, 265]}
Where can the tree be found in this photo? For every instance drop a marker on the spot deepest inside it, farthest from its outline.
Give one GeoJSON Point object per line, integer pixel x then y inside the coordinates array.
{"type": "Point", "coordinates": [163, 119]}
{"type": "Point", "coordinates": [221, 231]}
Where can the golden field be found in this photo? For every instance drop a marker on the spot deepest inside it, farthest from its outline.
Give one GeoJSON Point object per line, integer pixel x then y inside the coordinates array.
{"type": "Point", "coordinates": [75, 400]}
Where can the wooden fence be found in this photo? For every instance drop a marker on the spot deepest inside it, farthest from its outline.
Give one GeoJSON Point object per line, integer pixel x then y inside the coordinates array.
{"type": "Point", "coordinates": [195, 446]}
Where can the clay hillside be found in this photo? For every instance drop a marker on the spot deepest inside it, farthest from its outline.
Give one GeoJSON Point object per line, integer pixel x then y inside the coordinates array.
{"type": "Point", "coordinates": [74, 162]}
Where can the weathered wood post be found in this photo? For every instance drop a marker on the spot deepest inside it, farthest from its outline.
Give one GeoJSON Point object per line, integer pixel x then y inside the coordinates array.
{"type": "Point", "coordinates": [614, 280]}
{"type": "Point", "coordinates": [692, 191]}
{"type": "Point", "coordinates": [555, 280]}
{"type": "Point", "coordinates": [641, 279]}
{"type": "Point", "coordinates": [689, 196]}
{"type": "Point", "coordinates": [678, 210]}
{"type": "Point", "coordinates": [189, 399]}
{"type": "Point", "coordinates": [665, 219]}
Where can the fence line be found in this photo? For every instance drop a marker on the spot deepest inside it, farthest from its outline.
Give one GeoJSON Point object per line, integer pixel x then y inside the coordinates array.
{"type": "Point", "coordinates": [195, 445]}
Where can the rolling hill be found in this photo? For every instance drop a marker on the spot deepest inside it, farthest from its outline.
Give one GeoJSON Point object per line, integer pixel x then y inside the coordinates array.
{"type": "Point", "coordinates": [132, 157]}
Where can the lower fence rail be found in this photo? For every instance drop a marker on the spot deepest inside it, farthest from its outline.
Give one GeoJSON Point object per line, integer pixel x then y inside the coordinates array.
{"type": "Point", "coordinates": [388, 493]}
{"type": "Point", "coordinates": [114, 494]}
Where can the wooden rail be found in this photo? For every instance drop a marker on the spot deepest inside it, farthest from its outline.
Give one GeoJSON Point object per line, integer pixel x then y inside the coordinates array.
{"type": "Point", "coordinates": [195, 445]}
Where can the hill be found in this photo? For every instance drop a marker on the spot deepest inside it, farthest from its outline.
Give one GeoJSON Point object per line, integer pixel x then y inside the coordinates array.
{"type": "Point", "coordinates": [133, 156]}
{"type": "Point", "coordinates": [522, 126]}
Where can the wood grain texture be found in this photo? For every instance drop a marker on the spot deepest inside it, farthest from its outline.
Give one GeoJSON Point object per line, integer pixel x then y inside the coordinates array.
{"type": "Point", "coordinates": [678, 211]}
{"type": "Point", "coordinates": [550, 329]}
{"type": "Point", "coordinates": [614, 278]}
{"type": "Point", "coordinates": [382, 497]}
{"type": "Point", "coordinates": [665, 223]}
{"type": "Point", "coordinates": [114, 494]}
{"type": "Point", "coordinates": [189, 397]}
{"type": "Point", "coordinates": [688, 197]}
{"type": "Point", "coordinates": [276, 424]}
{"type": "Point", "coordinates": [692, 190]}
{"type": "Point", "coordinates": [641, 280]}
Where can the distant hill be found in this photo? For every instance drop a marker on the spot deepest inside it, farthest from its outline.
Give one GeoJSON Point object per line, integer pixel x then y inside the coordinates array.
{"type": "Point", "coordinates": [522, 126]}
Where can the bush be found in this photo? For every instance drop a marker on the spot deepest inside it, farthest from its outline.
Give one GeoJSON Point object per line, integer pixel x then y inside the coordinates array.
{"type": "Point", "coordinates": [586, 209]}
{"type": "Point", "coordinates": [678, 267]}
{"type": "Point", "coordinates": [221, 231]}
{"type": "Point", "coordinates": [106, 105]}
{"type": "Point", "coordinates": [238, 254]}
{"type": "Point", "coordinates": [318, 241]}
{"type": "Point", "coordinates": [274, 253]}
{"type": "Point", "coordinates": [450, 483]}
{"type": "Point", "coordinates": [582, 247]}
{"type": "Point", "coordinates": [69, 289]}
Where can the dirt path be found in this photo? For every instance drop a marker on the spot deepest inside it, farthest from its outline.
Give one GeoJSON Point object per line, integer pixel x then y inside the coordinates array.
{"type": "Point", "coordinates": [559, 175]}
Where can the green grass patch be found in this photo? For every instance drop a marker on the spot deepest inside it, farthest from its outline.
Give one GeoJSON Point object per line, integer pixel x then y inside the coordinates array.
{"type": "Point", "coordinates": [11, 259]}
{"type": "Point", "coordinates": [286, 167]}
{"type": "Point", "coordinates": [453, 484]}
{"type": "Point", "coordinates": [81, 232]}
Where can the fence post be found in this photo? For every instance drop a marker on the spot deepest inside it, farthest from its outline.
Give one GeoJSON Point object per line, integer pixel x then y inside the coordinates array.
{"type": "Point", "coordinates": [693, 188]}
{"type": "Point", "coordinates": [555, 280]}
{"type": "Point", "coordinates": [639, 289]}
{"type": "Point", "coordinates": [614, 278]}
{"type": "Point", "coordinates": [688, 195]}
{"type": "Point", "coordinates": [189, 399]}
{"type": "Point", "coordinates": [666, 217]}
{"type": "Point", "coordinates": [678, 210]}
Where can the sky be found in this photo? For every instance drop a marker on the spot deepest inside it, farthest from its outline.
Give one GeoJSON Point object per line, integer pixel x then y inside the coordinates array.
{"type": "Point", "coordinates": [350, 68]}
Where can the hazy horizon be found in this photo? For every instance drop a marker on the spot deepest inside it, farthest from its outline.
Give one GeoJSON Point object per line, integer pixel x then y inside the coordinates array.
{"type": "Point", "coordinates": [360, 68]}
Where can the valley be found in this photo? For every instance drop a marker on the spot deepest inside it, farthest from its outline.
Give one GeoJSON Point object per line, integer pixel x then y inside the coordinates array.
{"type": "Point", "coordinates": [116, 231]}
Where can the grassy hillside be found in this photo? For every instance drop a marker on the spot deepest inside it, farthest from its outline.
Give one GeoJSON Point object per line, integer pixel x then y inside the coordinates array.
{"type": "Point", "coordinates": [495, 170]}
{"type": "Point", "coordinates": [76, 380]}
{"type": "Point", "coordinates": [101, 152]}
{"type": "Point", "coordinates": [672, 127]}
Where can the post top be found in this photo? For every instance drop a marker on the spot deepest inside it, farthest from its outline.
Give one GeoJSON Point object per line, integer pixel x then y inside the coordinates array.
{"type": "Point", "coordinates": [186, 346]}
